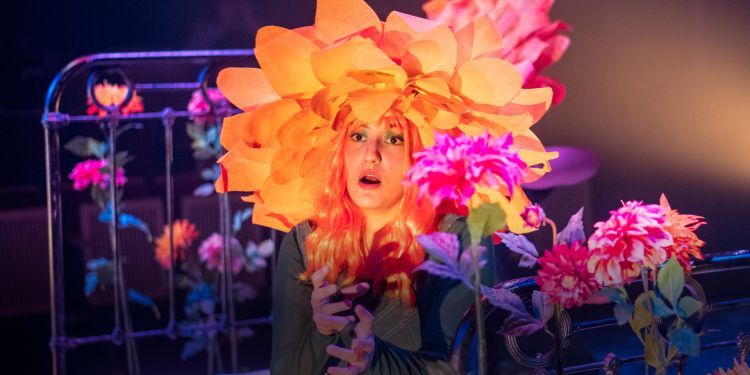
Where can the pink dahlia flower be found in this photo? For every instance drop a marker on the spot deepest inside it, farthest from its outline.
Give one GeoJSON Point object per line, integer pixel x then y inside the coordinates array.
{"type": "Point", "coordinates": [633, 237]}
{"type": "Point", "coordinates": [533, 216]}
{"type": "Point", "coordinates": [564, 276]}
{"type": "Point", "coordinates": [210, 253]}
{"type": "Point", "coordinates": [451, 168]}
{"type": "Point", "coordinates": [88, 172]}
{"type": "Point", "coordinates": [682, 228]}
{"type": "Point", "coordinates": [200, 109]}
{"type": "Point", "coordinates": [531, 41]}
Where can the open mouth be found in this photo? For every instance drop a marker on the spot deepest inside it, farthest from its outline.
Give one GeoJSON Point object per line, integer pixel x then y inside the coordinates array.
{"type": "Point", "coordinates": [369, 180]}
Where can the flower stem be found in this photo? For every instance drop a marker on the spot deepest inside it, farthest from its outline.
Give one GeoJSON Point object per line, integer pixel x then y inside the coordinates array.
{"type": "Point", "coordinates": [558, 339]}
{"type": "Point", "coordinates": [554, 230]}
{"type": "Point", "coordinates": [649, 306]}
{"type": "Point", "coordinates": [479, 315]}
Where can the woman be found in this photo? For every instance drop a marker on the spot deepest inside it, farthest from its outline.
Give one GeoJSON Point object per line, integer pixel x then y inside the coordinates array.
{"type": "Point", "coordinates": [363, 237]}
{"type": "Point", "coordinates": [331, 120]}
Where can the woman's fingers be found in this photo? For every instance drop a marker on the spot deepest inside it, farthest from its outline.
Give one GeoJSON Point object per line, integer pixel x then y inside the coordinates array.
{"type": "Point", "coordinates": [362, 346]}
{"type": "Point", "coordinates": [364, 327]}
{"type": "Point", "coordinates": [319, 296]}
{"type": "Point", "coordinates": [330, 324]}
{"type": "Point", "coordinates": [344, 354]}
{"type": "Point", "coordinates": [356, 290]}
{"type": "Point", "coordinates": [343, 371]}
{"type": "Point", "coordinates": [334, 308]}
{"type": "Point", "coordinates": [318, 277]}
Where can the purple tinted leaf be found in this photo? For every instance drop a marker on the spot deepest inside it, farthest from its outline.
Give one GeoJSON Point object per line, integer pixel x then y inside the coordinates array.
{"type": "Point", "coordinates": [543, 309]}
{"type": "Point", "coordinates": [442, 270]}
{"type": "Point", "coordinates": [505, 299]}
{"type": "Point", "coordinates": [466, 266]}
{"type": "Point", "coordinates": [443, 246]}
{"type": "Point", "coordinates": [521, 325]}
{"type": "Point", "coordinates": [520, 244]}
{"type": "Point", "coordinates": [527, 261]}
{"type": "Point", "coordinates": [573, 232]}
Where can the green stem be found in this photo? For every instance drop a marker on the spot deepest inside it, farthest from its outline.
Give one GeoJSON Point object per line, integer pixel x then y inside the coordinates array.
{"type": "Point", "coordinates": [554, 230]}
{"type": "Point", "coordinates": [650, 306]}
{"type": "Point", "coordinates": [558, 340]}
{"type": "Point", "coordinates": [479, 315]}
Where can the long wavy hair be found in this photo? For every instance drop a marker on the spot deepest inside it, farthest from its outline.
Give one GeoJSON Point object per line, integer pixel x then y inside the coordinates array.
{"type": "Point", "coordinates": [338, 236]}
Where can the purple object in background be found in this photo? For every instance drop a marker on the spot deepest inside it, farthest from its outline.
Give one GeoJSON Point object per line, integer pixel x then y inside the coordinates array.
{"type": "Point", "coordinates": [573, 166]}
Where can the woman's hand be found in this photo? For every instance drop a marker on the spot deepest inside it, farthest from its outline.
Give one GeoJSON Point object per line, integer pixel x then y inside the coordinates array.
{"type": "Point", "coordinates": [361, 353]}
{"type": "Point", "coordinates": [324, 313]}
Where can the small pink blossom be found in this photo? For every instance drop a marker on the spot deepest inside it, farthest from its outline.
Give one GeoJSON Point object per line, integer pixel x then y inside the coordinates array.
{"type": "Point", "coordinates": [564, 276]}
{"type": "Point", "coordinates": [200, 109]}
{"type": "Point", "coordinates": [453, 167]}
{"type": "Point", "coordinates": [533, 216]}
{"type": "Point", "coordinates": [633, 237]}
{"type": "Point", "coordinates": [88, 172]}
{"type": "Point", "coordinates": [210, 253]}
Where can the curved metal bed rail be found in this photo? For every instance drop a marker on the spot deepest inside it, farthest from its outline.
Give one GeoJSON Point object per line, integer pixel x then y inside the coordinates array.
{"type": "Point", "coordinates": [119, 64]}
{"type": "Point", "coordinates": [464, 344]}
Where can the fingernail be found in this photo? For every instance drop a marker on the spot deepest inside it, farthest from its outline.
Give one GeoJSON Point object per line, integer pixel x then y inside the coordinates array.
{"type": "Point", "coordinates": [348, 303]}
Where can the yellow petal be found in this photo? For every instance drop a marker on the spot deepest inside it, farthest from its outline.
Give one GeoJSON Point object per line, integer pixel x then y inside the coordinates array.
{"type": "Point", "coordinates": [478, 39]}
{"type": "Point", "coordinates": [244, 168]}
{"type": "Point", "coordinates": [533, 101]}
{"type": "Point", "coordinates": [512, 207]}
{"type": "Point", "coordinates": [433, 86]}
{"type": "Point", "coordinates": [487, 81]}
{"type": "Point", "coordinates": [356, 54]}
{"type": "Point", "coordinates": [370, 105]}
{"type": "Point", "coordinates": [432, 51]}
{"type": "Point", "coordinates": [245, 87]}
{"type": "Point", "coordinates": [285, 58]}
{"type": "Point", "coordinates": [294, 132]}
{"type": "Point", "coordinates": [258, 128]}
{"type": "Point", "coordinates": [335, 19]}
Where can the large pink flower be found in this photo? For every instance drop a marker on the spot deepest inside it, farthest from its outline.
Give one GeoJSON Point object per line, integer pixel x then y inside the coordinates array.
{"type": "Point", "coordinates": [564, 276]}
{"type": "Point", "coordinates": [200, 109]}
{"type": "Point", "coordinates": [210, 253]}
{"type": "Point", "coordinates": [88, 172]}
{"type": "Point", "coordinates": [451, 168]}
{"type": "Point", "coordinates": [682, 228]}
{"type": "Point", "coordinates": [633, 237]}
{"type": "Point", "coordinates": [531, 41]}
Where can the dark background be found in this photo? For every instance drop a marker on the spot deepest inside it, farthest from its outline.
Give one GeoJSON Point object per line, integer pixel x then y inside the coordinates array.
{"type": "Point", "coordinates": [658, 89]}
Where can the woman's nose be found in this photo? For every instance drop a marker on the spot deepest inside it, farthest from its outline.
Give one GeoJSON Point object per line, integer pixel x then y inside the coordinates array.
{"type": "Point", "coordinates": [372, 153]}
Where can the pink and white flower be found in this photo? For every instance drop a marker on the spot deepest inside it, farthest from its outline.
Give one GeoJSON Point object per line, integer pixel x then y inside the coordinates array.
{"type": "Point", "coordinates": [633, 237]}
{"type": "Point", "coordinates": [200, 109]}
{"type": "Point", "coordinates": [453, 167]}
{"type": "Point", "coordinates": [533, 216]}
{"type": "Point", "coordinates": [210, 253]}
{"type": "Point", "coordinates": [88, 172]}
{"type": "Point", "coordinates": [564, 275]}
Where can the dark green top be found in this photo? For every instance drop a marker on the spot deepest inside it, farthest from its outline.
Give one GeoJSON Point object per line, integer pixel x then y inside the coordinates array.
{"type": "Point", "coordinates": [407, 341]}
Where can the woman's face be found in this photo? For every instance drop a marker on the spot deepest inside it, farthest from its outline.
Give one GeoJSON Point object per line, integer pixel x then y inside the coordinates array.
{"type": "Point", "coordinates": [375, 160]}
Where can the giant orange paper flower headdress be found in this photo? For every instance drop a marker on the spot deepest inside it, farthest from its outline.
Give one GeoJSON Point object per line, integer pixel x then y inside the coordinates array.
{"type": "Point", "coordinates": [439, 79]}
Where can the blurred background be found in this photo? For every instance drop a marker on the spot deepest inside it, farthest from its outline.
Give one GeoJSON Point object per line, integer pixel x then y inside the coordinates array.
{"type": "Point", "coordinates": [658, 90]}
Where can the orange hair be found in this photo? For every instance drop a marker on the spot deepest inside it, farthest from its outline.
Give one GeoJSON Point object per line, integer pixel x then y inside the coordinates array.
{"type": "Point", "coordinates": [338, 237]}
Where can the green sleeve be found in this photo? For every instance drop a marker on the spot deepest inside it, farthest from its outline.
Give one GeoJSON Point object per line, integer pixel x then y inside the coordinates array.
{"type": "Point", "coordinates": [442, 304]}
{"type": "Point", "coordinates": [297, 346]}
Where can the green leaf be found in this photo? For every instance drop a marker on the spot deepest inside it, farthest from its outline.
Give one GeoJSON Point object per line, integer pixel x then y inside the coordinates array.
{"type": "Point", "coordinates": [686, 341]}
{"type": "Point", "coordinates": [616, 295]}
{"type": "Point", "coordinates": [484, 221]}
{"type": "Point", "coordinates": [85, 147]}
{"type": "Point", "coordinates": [660, 307]}
{"type": "Point", "coordinates": [654, 351]}
{"type": "Point", "coordinates": [642, 317]}
{"type": "Point", "coordinates": [623, 312]}
{"type": "Point", "coordinates": [122, 158]}
{"type": "Point", "coordinates": [688, 306]}
{"type": "Point", "coordinates": [671, 280]}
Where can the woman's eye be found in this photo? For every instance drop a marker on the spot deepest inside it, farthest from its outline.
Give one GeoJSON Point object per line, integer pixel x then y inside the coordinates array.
{"type": "Point", "coordinates": [357, 137]}
{"type": "Point", "coordinates": [395, 140]}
